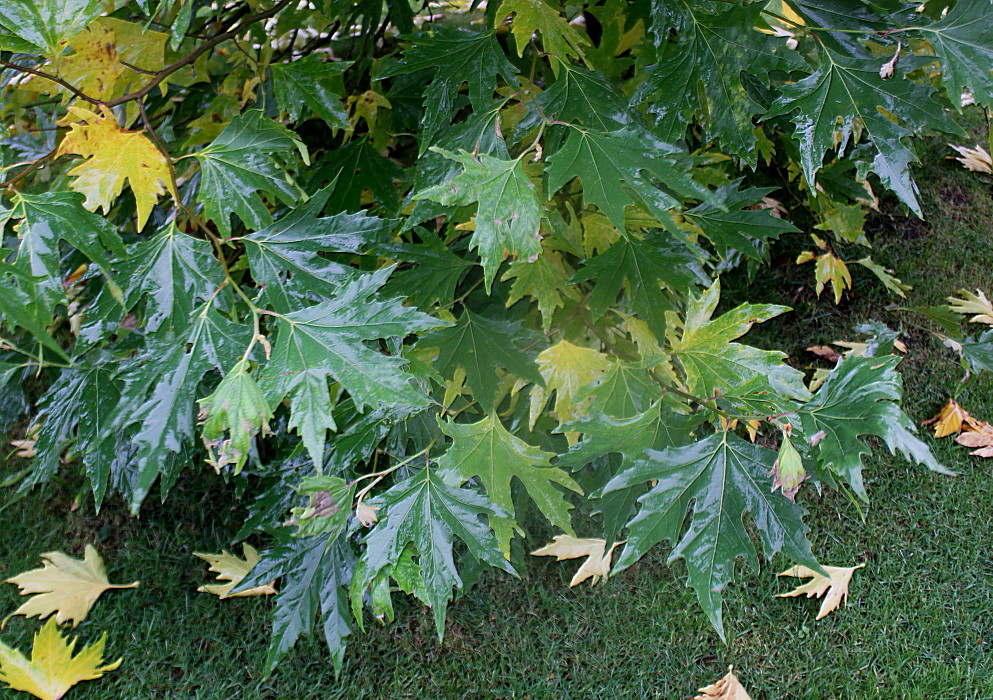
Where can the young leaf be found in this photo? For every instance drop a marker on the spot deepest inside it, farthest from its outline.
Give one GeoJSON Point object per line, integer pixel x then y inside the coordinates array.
{"type": "Point", "coordinates": [509, 211]}
{"type": "Point", "coordinates": [238, 408]}
{"type": "Point", "coordinates": [485, 450]}
{"type": "Point", "coordinates": [725, 477]}
{"type": "Point", "coordinates": [230, 568]}
{"type": "Point", "coordinates": [65, 586]}
{"type": "Point", "coordinates": [567, 368]}
{"type": "Point", "coordinates": [427, 513]}
{"type": "Point", "coordinates": [53, 669]}
{"type": "Point", "coordinates": [597, 564]}
{"type": "Point", "coordinates": [113, 156]}
{"type": "Point", "coordinates": [835, 584]}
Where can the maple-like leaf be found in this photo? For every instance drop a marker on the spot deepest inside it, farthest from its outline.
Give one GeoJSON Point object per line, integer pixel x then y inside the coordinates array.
{"type": "Point", "coordinates": [45, 24]}
{"type": "Point", "coordinates": [485, 450]}
{"type": "Point", "coordinates": [427, 513]}
{"type": "Point", "coordinates": [834, 584]}
{"type": "Point", "coordinates": [328, 509]}
{"type": "Point", "coordinates": [230, 568]}
{"type": "Point", "coordinates": [724, 477]}
{"type": "Point", "coordinates": [53, 669]}
{"type": "Point", "coordinates": [829, 268]}
{"type": "Point", "coordinates": [545, 280]}
{"type": "Point", "coordinates": [239, 164]}
{"type": "Point", "coordinates": [597, 564]}
{"type": "Point", "coordinates": [479, 345]}
{"type": "Point", "coordinates": [727, 688]}
{"type": "Point", "coordinates": [977, 304]}
{"type": "Point", "coordinates": [559, 38]}
{"type": "Point", "coordinates": [509, 211]}
{"type": "Point", "coordinates": [113, 156]}
{"type": "Point", "coordinates": [566, 368]}
{"type": "Point", "coordinates": [847, 89]}
{"type": "Point", "coordinates": [65, 586]}
{"type": "Point", "coordinates": [312, 82]}
{"type": "Point", "coordinates": [715, 364]}
{"type": "Point", "coordinates": [964, 44]}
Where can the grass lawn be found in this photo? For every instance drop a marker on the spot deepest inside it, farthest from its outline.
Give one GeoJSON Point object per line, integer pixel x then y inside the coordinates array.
{"type": "Point", "coordinates": [918, 624]}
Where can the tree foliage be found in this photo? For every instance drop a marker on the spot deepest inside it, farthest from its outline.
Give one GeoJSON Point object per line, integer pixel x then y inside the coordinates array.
{"type": "Point", "coordinates": [421, 277]}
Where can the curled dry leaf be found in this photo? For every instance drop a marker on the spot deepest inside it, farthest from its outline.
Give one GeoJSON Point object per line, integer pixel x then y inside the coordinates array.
{"type": "Point", "coordinates": [825, 351]}
{"type": "Point", "coordinates": [66, 586]}
{"type": "Point", "coordinates": [229, 567]}
{"type": "Point", "coordinates": [951, 420]}
{"type": "Point", "coordinates": [727, 688]}
{"type": "Point", "coordinates": [597, 564]}
{"type": "Point", "coordinates": [366, 514]}
{"type": "Point", "coordinates": [979, 435]}
{"type": "Point", "coordinates": [975, 159]}
{"type": "Point", "coordinates": [835, 584]}
{"type": "Point", "coordinates": [53, 669]}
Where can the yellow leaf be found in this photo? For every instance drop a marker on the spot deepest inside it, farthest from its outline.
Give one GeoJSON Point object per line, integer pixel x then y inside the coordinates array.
{"type": "Point", "coordinates": [229, 567]}
{"type": "Point", "coordinates": [52, 670]}
{"type": "Point", "coordinates": [727, 688]}
{"type": "Point", "coordinates": [115, 155]}
{"type": "Point", "coordinates": [829, 268]}
{"type": "Point", "coordinates": [968, 303]}
{"type": "Point", "coordinates": [597, 564]}
{"type": "Point", "coordinates": [950, 419]}
{"type": "Point", "coordinates": [975, 159]}
{"type": "Point", "coordinates": [567, 368]}
{"type": "Point", "coordinates": [835, 584]}
{"type": "Point", "coordinates": [66, 586]}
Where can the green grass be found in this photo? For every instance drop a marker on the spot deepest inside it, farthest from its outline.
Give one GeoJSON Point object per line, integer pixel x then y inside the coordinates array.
{"type": "Point", "coordinates": [918, 623]}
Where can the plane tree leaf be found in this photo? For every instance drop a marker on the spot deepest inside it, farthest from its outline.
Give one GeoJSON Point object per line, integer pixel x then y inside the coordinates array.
{"type": "Point", "coordinates": [315, 83]}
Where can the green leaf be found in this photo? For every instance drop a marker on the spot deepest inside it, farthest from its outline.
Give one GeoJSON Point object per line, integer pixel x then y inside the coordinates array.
{"type": "Point", "coordinates": [725, 478]}
{"type": "Point", "coordinates": [330, 340]}
{"type": "Point", "coordinates": [50, 217]}
{"type": "Point", "coordinates": [702, 74]}
{"type": "Point", "coordinates": [978, 353]}
{"type": "Point", "coordinates": [479, 345]}
{"type": "Point", "coordinates": [356, 167]}
{"type": "Point", "coordinates": [329, 506]}
{"type": "Point", "coordinates": [236, 408]}
{"type": "Point", "coordinates": [844, 90]}
{"type": "Point", "coordinates": [620, 168]}
{"type": "Point", "coordinates": [861, 397]}
{"type": "Point", "coordinates": [715, 364]}
{"type": "Point", "coordinates": [239, 164]}
{"type": "Point", "coordinates": [963, 41]}
{"type": "Point", "coordinates": [644, 265]}
{"type": "Point", "coordinates": [286, 257]}
{"type": "Point", "coordinates": [581, 96]}
{"type": "Point", "coordinates": [455, 57]}
{"type": "Point", "coordinates": [172, 273]}
{"type": "Point", "coordinates": [625, 390]}
{"type": "Point", "coordinates": [429, 514]}
{"type": "Point", "coordinates": [17, 308]}
{"type": "Point", "coordinates": [435, 275]}
{"type": "Point", "coordinates": [509, 212]}
{"type": "Point", "coordinates": [543, 280]}
{"type": "Point", "coordinates": [559, 39]}
{"type": "Point", "coordinates": [315, 572]}
{"type": "Point", "coordinates": [731, 223]}
{"type": "Point", "coordinates": [46, 24]}
{"type": "Point", "coordinates": [485, 450]}
{"type": "Point", "coordinates": [160, 390]}
{"type": "Point", "coordinates": [312, 82]}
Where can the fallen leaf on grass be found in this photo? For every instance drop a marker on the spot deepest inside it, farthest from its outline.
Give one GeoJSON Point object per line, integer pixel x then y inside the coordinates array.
{"type": "Point", "coordinates": [66, 586]}
{"type": "Point", "coordinates": [597, 564]}
{"type": "Point", "coordinates": [229, 567]}
{"type": "Point", "coordinates": [825, 351]}
{"type": "Point", "coordinates": [951, 420]}
{"type": "Point", "coordinates": [978, 436]}
{"type": "Point", "coordinates": [835, 584]}
{"type": "Point", "coordinates": [975, 159]}
{"type": "Point", "coordinates": [52, 670]}
{"type": "Point", "coordinates": [727, 688]}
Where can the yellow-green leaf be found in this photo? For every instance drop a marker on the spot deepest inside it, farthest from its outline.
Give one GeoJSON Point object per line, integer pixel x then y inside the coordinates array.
{"type": "Point", "coordinates": [53, 669]}
{"type": "Point", "coordinates": [114, 155]}
{"type": "Point", "coordinates": [567, 368]}
{"type": "Point", "coordinates": [229, 567]}
{"type": "Point", "coordinates": [65, 586]}
{"type": "Point", "coordinates": [559, 38]}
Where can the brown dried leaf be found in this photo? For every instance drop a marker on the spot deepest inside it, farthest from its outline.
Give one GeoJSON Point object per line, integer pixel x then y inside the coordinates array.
{"type": "Point", "coordinates": [951, 420]}
{"type": "Point", "coordinates": [978, 435]}
{"type": "Point", "coordinates": [727, 688]}
{"type": "Point", "coordinates": [825, 351]}
{"type": "Point", "coordinates": [975, 159]}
